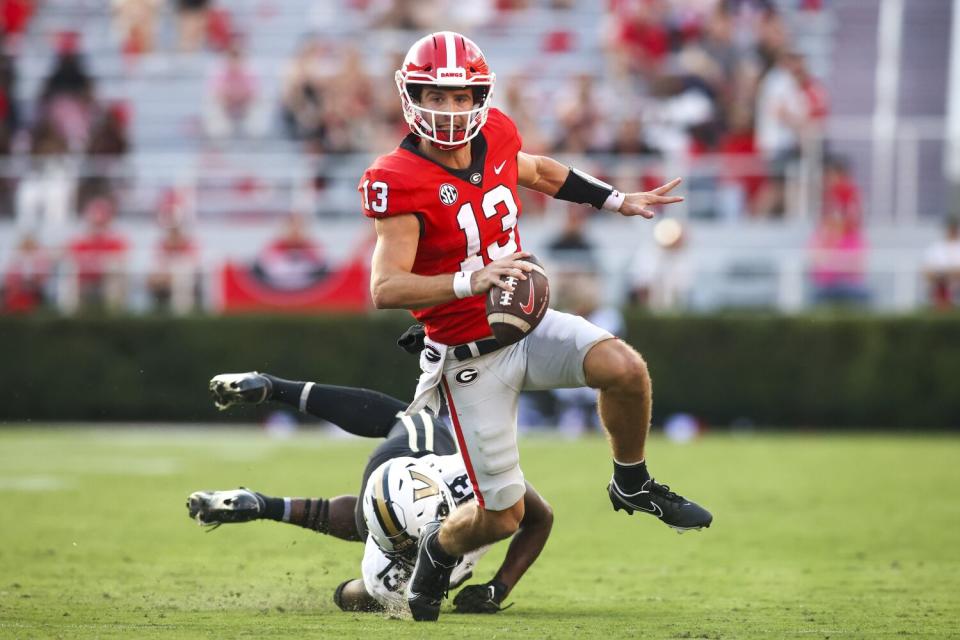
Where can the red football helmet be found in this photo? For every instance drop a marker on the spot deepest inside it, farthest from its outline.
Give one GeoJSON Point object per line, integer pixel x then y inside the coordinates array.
{"type": "Point", "coordinates": [448, 60]}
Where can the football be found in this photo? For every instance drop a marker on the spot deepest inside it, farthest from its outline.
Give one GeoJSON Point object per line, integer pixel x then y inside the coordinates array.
{"type": "Point", "coordinates": [514, 314]}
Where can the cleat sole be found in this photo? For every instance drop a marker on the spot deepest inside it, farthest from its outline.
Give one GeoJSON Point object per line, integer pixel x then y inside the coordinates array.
{"type": "Point", "coordinates": [425, 613]}
{"type": "Point", "coordinates": [685, 529]}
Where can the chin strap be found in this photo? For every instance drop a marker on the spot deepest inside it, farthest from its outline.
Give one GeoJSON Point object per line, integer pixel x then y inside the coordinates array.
{"type": "Point", "coordinates": [446, 147]}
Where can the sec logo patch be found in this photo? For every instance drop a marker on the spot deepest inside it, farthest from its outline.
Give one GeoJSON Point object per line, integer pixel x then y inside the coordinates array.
{"type": "Point", "coordinates": [466, 376]}
{"type": "Point", "coordinates": [448, 193]}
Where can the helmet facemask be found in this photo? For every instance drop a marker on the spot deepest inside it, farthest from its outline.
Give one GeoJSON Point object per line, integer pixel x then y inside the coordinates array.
{"type": "Point", "coordinates": [402, 496]}
{"type": "Point", "coordinates": [447, 130]}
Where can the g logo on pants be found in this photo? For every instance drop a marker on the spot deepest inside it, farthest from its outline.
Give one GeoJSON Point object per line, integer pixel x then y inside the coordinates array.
{"type": "Point", "coordinates": [465, 377]}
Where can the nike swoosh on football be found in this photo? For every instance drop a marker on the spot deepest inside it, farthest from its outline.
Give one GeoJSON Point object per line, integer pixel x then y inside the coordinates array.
{"type": "Point", "coordinates": [528, 308]}
{"type": "Point", "coordinates": [499, 167]}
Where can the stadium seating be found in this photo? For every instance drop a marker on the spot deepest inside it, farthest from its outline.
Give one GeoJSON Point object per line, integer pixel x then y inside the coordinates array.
{"type": "Point", "coordinates": [241, 188]}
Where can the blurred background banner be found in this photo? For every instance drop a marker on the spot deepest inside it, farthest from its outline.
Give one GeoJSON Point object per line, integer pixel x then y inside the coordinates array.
{"type": "Point", "coordinates": [166, 163]}
{"type": "Point", "coordinates": [345, 291]}
{"type": "Point", "coordinates": [291, 276]}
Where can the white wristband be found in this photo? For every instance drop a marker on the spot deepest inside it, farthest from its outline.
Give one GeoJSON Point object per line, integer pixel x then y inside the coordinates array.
{"type": "Point", "coordinates": [614, 201]}
{"type": "Point", "coordinates": [461, 284]}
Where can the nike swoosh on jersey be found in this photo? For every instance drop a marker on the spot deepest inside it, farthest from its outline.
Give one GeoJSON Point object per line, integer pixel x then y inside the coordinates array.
{"type": "Point", "coordinates": [497, 169]}
{"type": "Point", "coordinates": [528, 308]}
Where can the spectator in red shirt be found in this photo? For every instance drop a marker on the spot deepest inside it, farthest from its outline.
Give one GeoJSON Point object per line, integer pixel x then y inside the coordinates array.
{"type": "Point", "coordinates": [99, 259]}
{"type": "Point", "coordinates": [743, 172]}
{"type": "Point", "coordinates": [27, 276]}
{"type": "Point", "coordinates": [640, 39]}
{"type": "Point", "coordinates": [14, 17]}
{"type": "Point", "coordinates": [841, 195]}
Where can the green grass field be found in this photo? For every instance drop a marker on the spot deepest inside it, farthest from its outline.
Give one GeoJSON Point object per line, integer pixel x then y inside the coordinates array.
{"type": "Point", "coordinates": [814, 536]}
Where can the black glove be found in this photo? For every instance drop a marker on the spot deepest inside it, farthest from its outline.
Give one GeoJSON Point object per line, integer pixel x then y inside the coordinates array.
{"type": "Point", "coordinates": [481, 598]}
{"type": "Point", "coordinates": [411, 340]}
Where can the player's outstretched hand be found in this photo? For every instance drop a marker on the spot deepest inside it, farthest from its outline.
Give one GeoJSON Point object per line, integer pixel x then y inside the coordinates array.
{"type": "Point", "coordinates": [637, 204]}
{"type": "Point", "coordinates": [477, 598]}
{"type": "Point", "coordinates": [495, 273]}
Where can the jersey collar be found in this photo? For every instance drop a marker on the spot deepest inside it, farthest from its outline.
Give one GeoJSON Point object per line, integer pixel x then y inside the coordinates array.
{"type": "Point", "coordinates": [478, 158]}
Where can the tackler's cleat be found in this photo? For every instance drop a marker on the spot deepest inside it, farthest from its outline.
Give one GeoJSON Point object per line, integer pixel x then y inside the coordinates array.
{"type": "Point", "coordinates": [657, 500]}
{"type": "Point", "coordinates": [229, 389]}
{"type": "Point", "coordinates": [214, 508]}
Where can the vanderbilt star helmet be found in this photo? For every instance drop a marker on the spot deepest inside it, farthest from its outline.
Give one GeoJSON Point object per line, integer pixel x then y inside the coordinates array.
{"type": "Point", "coordinates": [401, 497]}
{"type": "Point", "coordinates": [447, 60]}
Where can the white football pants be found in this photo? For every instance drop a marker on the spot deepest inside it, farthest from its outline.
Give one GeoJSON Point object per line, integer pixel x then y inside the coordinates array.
{"type": "Point", "coordinates": [482, 394]}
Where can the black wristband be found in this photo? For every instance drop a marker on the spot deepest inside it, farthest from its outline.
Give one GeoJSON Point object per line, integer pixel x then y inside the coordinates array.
{"type": "Point", "coordinates": [582, 188]}
{"type": "Point", "coordinates": [499, 590]}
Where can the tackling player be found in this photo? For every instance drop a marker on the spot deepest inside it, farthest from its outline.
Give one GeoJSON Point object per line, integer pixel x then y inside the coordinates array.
{"type": "Point", "coordinates": [419, 445]}
{"type": "Point", "coordinates": [446, 208]}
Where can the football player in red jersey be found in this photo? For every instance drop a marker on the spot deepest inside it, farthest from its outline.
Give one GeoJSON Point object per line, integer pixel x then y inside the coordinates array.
{"type": "Point", "coordinates": [446, 208]}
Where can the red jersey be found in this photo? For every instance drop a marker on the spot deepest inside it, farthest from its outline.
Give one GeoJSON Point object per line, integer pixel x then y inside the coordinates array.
{"type": "Point", "coordinates": [468, 217]}
{"type": "Point", "coordinates": [96, 255]}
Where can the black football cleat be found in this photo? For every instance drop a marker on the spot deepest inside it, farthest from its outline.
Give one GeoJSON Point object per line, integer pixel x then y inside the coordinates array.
{"type": "Point", "coordinates": [430, 581]}
{"type": "Point", "coordinates": [229, 389]}
{"type": "Point", "coordinates": [214, 508]}
{"type": "Point", "coordinates": [657, 499]}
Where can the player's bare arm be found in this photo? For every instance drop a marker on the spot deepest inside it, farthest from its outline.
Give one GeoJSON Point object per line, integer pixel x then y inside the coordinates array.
{"type": "Point", "coordinates": [528, 542]}
{"type": "Point", "coordinates": [352, 595]}
{"type": "Point", "coordinates": [393, 285]}
{"type": "Point", "coordinates": [548, 176]}
{"type": "Point", "coordinates": [525, 548]}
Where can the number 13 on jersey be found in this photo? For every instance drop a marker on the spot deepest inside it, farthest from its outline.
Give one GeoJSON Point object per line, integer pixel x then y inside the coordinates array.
{"type": "Point", "coordinates": [467, 220]}
{"type": "Point", "coordinates": [379, 202]}
{"type": "Point", "coordinates": [375, 199]}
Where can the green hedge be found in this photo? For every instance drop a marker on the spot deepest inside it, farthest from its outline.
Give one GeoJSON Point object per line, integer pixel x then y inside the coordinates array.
{"type": "Point", "coordinates": [814, 371]}
{"type": "Point", "coordinates": [790, 372]}
{"type": "Point", "coordinates": [157, 369]}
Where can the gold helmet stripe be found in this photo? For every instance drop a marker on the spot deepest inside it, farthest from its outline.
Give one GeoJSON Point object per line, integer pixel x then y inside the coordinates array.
{"type": "Point", "coordinates": [384, 509]}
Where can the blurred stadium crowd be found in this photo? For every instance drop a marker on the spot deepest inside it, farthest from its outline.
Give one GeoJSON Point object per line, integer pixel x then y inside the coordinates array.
{"type": "Point", "coordinates": [202, 153]}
